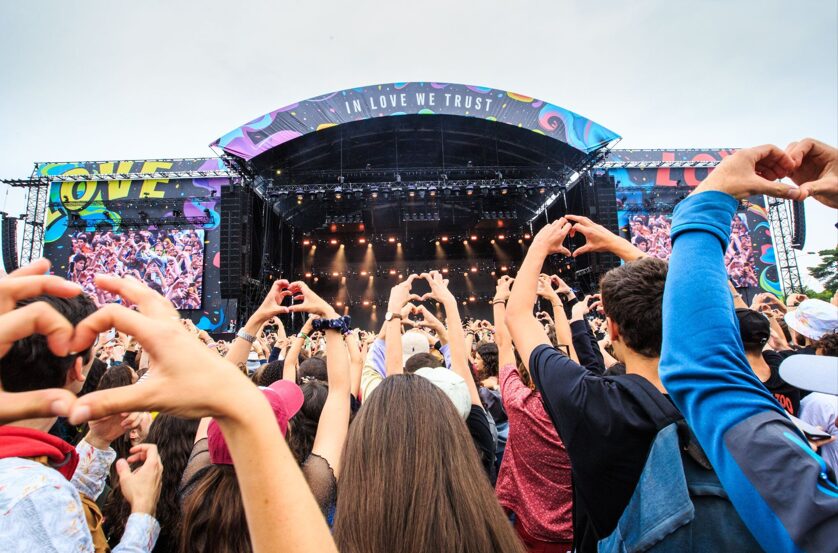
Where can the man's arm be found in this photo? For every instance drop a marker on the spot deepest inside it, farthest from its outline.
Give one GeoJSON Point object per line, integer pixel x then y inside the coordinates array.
{"type": "Point", "coordinates": [756, 451]}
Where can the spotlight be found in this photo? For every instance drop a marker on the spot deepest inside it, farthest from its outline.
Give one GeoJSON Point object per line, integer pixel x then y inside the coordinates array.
{"type": "Point", "coordinates": [465, 274]}
{"type": "Point", "coordinates": [392, 240]}
{"type": "Point", "coordinates": [527, 236]}
{"type": "Point", "coordinates": [503, 268]}
{"type": "Point", "coordinates": [501, 237]}
{"type": "Point", "coordinates": [335, 273]}
{"type": "Point", "coordinates": [445, 270]}
{"type": "Point", "coordinates": [363, 273]}
{"type": "Point", "coordinates": [338, 193]}
{"type": "Point", "coordinates": [365, 303]}
{"type": "Point", "coordinates": [504, 189]}
{"type": "Point", "coordinates": [469, 190]}
{"type": "Point", "coordinates": [520, 241]}
{"type": "Point", "coordinates": [542, 189]}
{"type": "Point", "coordinates": [473, 237]}
{"type": "Point", "coordinates": [474, 269]}
{"type": "Point", "coordinates": [437, 242]}
{"type": "Point", "coordinates": [333, 242]}
{"type": "Point", "coordinates": [392, 271]}
{"type": "Point", "coordinates": [465, 242]}
{"type": "Point", "coordinates": [444, 239]}
{"type": "Point", "coordinates": [339, 304]}
{"type": "Point", "coordinates": [306, 242]}
{"type": "Point", "coordinates": [374, 195]}
{"type": "Point", "coordinates": [308, 275]}
{"type": "Point", "coordinates": [362, 240]}
{"type": "Point", "coordinates": [279, 171]}
{"type": "Point", "coordinates": [472, 299]}
{"type": "Point", "coordinates": [492, 241]}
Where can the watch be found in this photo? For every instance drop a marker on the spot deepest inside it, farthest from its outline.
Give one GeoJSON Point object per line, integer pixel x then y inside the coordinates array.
{"type": "Point", "coordinates": [245, 336]}
{"type": "Point", "coordinates": [389, 316]}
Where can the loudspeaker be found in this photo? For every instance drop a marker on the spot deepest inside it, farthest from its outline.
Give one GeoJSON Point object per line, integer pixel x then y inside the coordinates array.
{"type": "Point", "coordinates": [798, 233]}
{"type": "Point", "coordinates": [8, 229]}
{"type": "Point", "coordinates": [234, 240]}
{"type": "Point", "coordinates": [602, 205]}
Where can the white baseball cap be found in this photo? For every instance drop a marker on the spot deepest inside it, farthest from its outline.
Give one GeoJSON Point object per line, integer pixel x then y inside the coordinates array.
{"type": "Point", "coordinates": [413, 342]}
{"type": "Point", "coordinates": [813, 318]}
{"type": "Point", "coordinates": [818, 373]}
{"type": "Point", "coordinates": [452, 386]}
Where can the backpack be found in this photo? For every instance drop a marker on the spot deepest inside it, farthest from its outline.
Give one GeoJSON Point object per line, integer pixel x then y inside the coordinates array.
{"type": "Point", "coordinates": [679, 504]}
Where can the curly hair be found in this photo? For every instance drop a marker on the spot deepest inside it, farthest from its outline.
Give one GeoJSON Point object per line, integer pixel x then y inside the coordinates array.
{"type": "Point", "coordinates": [828, 343]}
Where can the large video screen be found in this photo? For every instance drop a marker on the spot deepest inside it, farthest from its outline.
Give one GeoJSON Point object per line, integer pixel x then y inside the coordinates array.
{"type": "Point", "coordinates": [650, 233]}
{"type": "Point", "coordinates": [170, 261]}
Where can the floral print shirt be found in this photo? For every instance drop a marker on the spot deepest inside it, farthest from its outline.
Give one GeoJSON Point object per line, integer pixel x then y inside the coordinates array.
{"type": "Point", "coordinates": [40, 511]}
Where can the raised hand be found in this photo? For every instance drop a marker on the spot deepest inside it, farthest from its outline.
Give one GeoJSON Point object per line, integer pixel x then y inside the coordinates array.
{"type": "Point", "coordinates": [600, 239]}
{"type": "Point", "coordinates": [753, 171]}
{"type": "Point", "coordinates": [816, 170]}
{"type": "Point", "coordinates": [545, 290]}
{"type": "Point", "coordinates": [311, 302]}
{"type": "Point", "coordinates": [400, 295]}
{"type": "Point", "coordinates": [141, 487]}
{"type": "Point", "coordinates": [177, 387]}
{"type": "Point", "coordinates": [503, 288]}
{"type": "Point", "coordinates": [551, 237]}
{"type": "Point", "coordinates": [561, 286]}
{"type": "Point", "coordinates": [35, 318]}
{"type": "Point", "coordinates": [439, 288]}
{"type": "Point", "coordinates": [272, 304]}
{"type": "Point", "coordinates": [430, 321]}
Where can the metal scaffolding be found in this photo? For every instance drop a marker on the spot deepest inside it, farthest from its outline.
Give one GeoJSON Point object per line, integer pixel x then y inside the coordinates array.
{"type": "Point", "coordinates": [37, 194]}
{"type": "Point", "coordinates": [779, 214]}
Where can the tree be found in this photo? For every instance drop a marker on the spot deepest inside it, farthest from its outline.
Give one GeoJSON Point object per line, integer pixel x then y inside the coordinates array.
{"type": "Point", "coordinates": [827, 271]}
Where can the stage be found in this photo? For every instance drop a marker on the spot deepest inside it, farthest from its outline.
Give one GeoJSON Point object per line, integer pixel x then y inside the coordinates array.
{"type": "Point", "coordinates": [354, 190]}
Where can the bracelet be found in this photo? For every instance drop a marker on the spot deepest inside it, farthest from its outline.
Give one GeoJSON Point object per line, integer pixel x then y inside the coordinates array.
{"type": "Point", "coordinates": [245, 336]}
{"type": "Point", "coordinates": [302, 335]}
{"type": "Point", "coordinates": [495, 302]}
{"type": "Point", "coordinates": [343, 324]}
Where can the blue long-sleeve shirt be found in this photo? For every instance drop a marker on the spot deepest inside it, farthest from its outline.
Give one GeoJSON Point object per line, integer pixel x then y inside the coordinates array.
{"type": "Point", "coordinates": [779, 486]}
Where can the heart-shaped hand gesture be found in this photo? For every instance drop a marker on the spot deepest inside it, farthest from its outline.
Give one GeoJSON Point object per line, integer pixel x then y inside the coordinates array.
{"type": "Point", "coordinates": [428, 320]}
{"type": "Point", "coordinates": [34, 318]}
{"type": "Point", "coordinates": [311, 302]}
{"type": "Point", "coordinates": [753, 171]}
{"type": "Point", "coordinates": [551, 237]}
{"type": "Point", "coordinates": [503, 288]}
{"type": "Point", "coordinates": [272, 304]}
{"type": "Point", "coordinates": [400, 295]}
{"type": "Point", "coordinates": [439, 288]}
{"type": "Point", "coordinates": [816, 170]}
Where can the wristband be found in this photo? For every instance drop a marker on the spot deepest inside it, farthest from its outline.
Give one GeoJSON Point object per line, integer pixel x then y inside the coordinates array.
{"type": "Point", "coordinates": [302, 335]}
{"type": "Point", "coordinates": [341, 323]}
{"type": "Point", "coordinates": [245, 336]}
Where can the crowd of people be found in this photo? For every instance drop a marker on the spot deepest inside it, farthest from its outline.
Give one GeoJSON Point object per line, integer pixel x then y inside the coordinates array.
{"type": "Point", "coordinates": [660, 414]}
{"type": "Point", "coordinates": [651, 235]}
{"type": "Point", "coordinates": [170, 261]}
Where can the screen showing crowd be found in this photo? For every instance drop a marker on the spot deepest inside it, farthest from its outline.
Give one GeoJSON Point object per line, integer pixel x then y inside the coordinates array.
{"type": "Point", "coordinates": [650, 233]}
{"type": "Point", "coordinates": [170, 261]}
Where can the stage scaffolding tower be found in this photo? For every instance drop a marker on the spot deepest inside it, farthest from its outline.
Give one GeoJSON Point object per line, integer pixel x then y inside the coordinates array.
{"type": "Point", "coordinates": [37, 195]}
{"type": "Point", "coordinates": [779, 214]}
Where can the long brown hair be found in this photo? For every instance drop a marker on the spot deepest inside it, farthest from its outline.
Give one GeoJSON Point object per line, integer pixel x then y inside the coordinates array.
{"type": "Point", "coordinates": [411, 467]}
{"type": "Point", "coordinates": [213, 515]}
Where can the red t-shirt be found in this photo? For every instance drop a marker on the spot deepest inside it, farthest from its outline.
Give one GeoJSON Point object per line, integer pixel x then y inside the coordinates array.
{"type": "Point", "coordinates": [534, 480]}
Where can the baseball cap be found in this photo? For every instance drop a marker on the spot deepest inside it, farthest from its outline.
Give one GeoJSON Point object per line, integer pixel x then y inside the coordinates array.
{"type": "Point", "coordinates": [452, 385]}
{"type": "Point", "coordinates": [285, 399]}
{"type": "Point", "coordinates": [813, 318]}
{"type": "Point", "coordinates": [412, 343]}
{"type": "Point", "coordinates": [818, 373]}
{"type": "Point", "coordinates": [754, 328]}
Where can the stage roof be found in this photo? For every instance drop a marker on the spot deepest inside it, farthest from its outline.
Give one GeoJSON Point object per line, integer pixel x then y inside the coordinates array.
{"type": "Point", "coordinates": [418, 98]}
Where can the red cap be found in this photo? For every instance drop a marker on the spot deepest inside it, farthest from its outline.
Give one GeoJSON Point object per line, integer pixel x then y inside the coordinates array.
{"type": "Point", "coordinates": [285, 398]}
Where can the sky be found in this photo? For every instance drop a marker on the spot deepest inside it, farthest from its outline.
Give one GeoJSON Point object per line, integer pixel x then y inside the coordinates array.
{"type": "Point", "coordinates": [99, 79]}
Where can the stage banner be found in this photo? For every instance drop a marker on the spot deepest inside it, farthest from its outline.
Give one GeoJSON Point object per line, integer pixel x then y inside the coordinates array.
{"type": "Point", "coordinates": [664, 176]}
{"type": "Point", "coordinates": [418, 98]}
{"type": "Point", "coordinates": [84, 231]}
